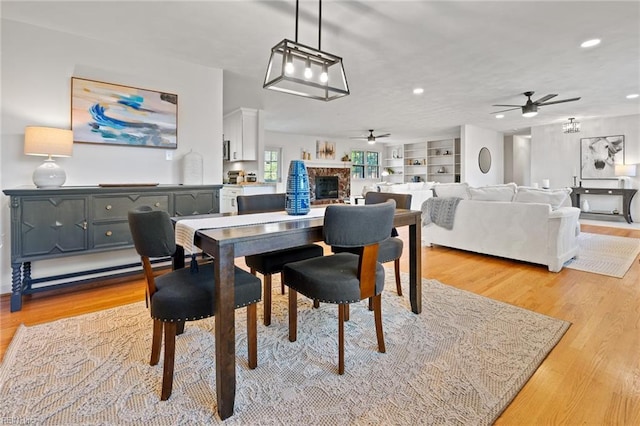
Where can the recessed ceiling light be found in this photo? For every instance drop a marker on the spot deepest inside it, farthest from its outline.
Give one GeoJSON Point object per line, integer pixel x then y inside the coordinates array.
{"type": "Point", "coordinates": [632, 96]}
{"type": "Point", "coordinates": [500, 116]}
{"type": "Point", "coordinates": [591, 43]}
{"type": "Point", "coordinates": [418, 91]}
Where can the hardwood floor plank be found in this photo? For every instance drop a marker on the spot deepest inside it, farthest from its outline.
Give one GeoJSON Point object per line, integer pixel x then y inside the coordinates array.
{"type": "Point", "coordinates": [591, 377]}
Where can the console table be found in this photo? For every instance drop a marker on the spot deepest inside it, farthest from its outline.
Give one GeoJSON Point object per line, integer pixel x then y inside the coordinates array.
{"type": "Point", "coordinates": [626, 194]}
{"type": "Point", "coordinates": [50, 223]}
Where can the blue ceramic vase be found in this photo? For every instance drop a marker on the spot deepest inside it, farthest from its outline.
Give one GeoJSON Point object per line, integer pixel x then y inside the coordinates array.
{"type": "Point", "coordinates": [298, 198]}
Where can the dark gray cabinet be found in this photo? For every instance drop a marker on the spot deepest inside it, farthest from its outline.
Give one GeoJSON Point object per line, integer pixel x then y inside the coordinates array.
{"type": "Point", "coordinates": [71, 221]}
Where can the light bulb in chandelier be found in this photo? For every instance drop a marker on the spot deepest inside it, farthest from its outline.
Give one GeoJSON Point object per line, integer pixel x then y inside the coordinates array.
{"type": "Point", "coordinates": [289, 68]}
{"type": "Point", "coordinates": [307, 70]}
{"type": "Point", "coordinates": [324, 77]}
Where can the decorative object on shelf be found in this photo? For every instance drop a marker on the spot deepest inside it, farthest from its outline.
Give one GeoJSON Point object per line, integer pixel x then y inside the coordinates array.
{"type": "Point", "coordinates": [416, 162]}
{"type": "Point", "coordinates": [545, 184]}
{"type": "Point", "coordinates": [446, 152]}
{"type": "Point", "coordinates": [571, 126]}
{"type": "Point", "coordinates": [325, 150]}
{"type": "Point", "coordinates": [108, 113]}
{"type": "Point", "coordinates": [437, 152]}
{"type": "Point", "coordinates": [585, 206]}
{"type": "Point", "coordinates": [298, 199]}
{"type": "Point", "coordinates": [345, 157]}
{"type": "Point", "coordinates": [284, 76]}
{"type": "Point", "coordinates": [599, 155]}
{"type": "Point", "coordinates": [49, 142]}
{"type": "Point", "coordinates": [615, 211]}
{"type": "Point", "coordinates": [192, 168]}
{"type": "Point", "coordinates": [624, 172]}
{"type": "Point", "coordinates": [389, 171]}
{"type": "Point", "coordinates": [442, 170]}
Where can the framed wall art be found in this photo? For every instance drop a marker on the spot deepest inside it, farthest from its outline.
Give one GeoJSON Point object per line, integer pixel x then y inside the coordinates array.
{"type": "Point", "coordinates": [106, 113]}
{"type": "Point", "coordinates": [599, 155]}
{"type": "Point", "coordinates": [325, 150]}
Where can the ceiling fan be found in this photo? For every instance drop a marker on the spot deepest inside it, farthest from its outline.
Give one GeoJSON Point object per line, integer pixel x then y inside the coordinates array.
{"type": "Point", "coordinates": [371, 138]}
{"type": "Point", "coordinates": [530, 109]}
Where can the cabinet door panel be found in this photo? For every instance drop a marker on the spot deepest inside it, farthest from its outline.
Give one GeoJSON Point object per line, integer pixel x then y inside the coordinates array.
{"type": "Point", "coordinates": [195, 203]}
{"type": "Point", "coordinates": [117, 207]}
{"type": "Point", "coordinates": [53, 225]}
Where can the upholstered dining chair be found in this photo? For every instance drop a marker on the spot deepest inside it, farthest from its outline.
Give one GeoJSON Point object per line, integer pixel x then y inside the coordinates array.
{"type": "Point", "coordinates": [184, 294]}
{"type": "Point", "coordinates": [344, 278]}
{"type": "Point", "coordinates": [391, 249]}
{"type": "Point", "coordinates": [272, 262]}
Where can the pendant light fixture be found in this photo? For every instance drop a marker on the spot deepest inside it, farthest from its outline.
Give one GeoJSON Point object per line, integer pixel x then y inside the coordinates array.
{"type": "Point", "coordinates": [301, 70]}
{"type": "Point", "coordinates": [571, 126]}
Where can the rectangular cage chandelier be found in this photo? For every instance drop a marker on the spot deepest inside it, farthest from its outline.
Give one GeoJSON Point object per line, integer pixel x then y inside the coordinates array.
{"type": "Point", "coordinates": [571, 126]}
{"type": "Point", "coordinates": [302, 70]}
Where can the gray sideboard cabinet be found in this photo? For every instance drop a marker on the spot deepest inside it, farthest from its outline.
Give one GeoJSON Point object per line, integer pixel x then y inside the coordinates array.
{"type": "Point", "coordinates": [72, 221]}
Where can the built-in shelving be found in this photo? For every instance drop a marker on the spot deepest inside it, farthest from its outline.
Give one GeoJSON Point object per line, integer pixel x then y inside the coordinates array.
{"type": "Point", "coordinates": [437, 160]}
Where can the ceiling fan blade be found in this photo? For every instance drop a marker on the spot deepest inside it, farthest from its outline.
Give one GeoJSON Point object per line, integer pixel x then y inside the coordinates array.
{"type": "Point", "coordinates": [505, 110]}
{"type": "Point", "coordinates": [386, 135]}
{"type": "Point", "coordinates": [560, 101]}
{"type": "Point", "coordinates": [544, 99]}
{"type": "Point", "coordinates": [516, 106]}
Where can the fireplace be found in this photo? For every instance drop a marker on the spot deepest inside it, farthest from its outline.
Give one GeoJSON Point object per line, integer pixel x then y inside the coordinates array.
{"type": "Point", "coordinates": [332, 194]}
{"type": "Point", "coordinates": [326, 187]}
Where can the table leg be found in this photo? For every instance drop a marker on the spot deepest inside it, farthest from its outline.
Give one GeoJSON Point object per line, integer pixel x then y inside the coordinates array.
{"type": "Point", "coordinates": [178, 258]}
{"type": "Point", "coordinates": [225, 333]}
{"type": "Point", "coordinates": [16, 286]}
{"type": "Point", "coordinates": [415, 267]}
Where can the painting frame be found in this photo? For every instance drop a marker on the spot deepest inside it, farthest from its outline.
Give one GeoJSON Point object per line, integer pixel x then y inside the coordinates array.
{"type": "Point", "coordinates": [325, 150]}
{"type": "Point", "coordinates": [114, 114]}
{"type": "Point", "coordinates": [599, 155]}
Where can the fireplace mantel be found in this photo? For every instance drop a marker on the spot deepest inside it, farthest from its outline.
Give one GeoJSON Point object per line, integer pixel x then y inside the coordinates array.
{"type": "Point", "coordinates": [328, 164]}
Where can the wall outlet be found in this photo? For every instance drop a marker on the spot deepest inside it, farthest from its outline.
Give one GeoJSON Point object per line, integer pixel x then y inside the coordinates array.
{"type": "Point", "coordinates": [169, 155]}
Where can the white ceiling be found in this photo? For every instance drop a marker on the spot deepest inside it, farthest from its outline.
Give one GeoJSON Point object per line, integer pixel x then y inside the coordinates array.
{"type": "Point", "coordinates": [466, 55]}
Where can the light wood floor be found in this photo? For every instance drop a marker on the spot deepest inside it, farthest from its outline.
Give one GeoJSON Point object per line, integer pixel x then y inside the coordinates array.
{"type": "Point", "coordinates": [591, 377]}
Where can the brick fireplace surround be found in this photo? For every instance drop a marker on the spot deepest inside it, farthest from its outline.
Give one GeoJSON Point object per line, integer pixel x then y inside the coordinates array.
{"type": "Point", "coordinates": [344, 182]}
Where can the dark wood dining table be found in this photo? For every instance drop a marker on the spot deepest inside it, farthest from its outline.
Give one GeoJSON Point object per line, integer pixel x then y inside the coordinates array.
{"type": "Point", "coordinates": [225, 244]}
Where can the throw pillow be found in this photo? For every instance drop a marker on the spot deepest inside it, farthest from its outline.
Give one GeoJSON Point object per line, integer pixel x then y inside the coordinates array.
{"type": "Point", "coordinates": [554, 197]}
{"type": "Point", "coordinates": [504, 192]}
{"type": "Point", "coordinates": [459, 190]}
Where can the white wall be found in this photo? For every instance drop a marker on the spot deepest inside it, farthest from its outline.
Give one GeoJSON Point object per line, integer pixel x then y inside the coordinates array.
{"type": "Point", "coordinates": [556, 156]}
{"type": "Point", "coordinates": [521, 165]}
{"type": "Point", "coordinates": [472, 139]}
{"type": "Point", "coordinates": [37, 66]}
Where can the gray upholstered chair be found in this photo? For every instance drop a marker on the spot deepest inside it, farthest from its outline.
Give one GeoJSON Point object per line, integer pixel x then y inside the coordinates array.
{"type": "Point", "coordinates": [391, 249]}
{"type": "Point", "coordinates": [344, 278]}
{"type": "Point", "coordinates": [184, 294]}
{"type": "Point", "coordinates": [272, 262]}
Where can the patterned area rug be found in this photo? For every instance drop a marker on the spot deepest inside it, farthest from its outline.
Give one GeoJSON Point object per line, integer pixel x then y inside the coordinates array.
{"type": "Point", "coordinates": [605, 254]}
{"type": "Point", "coordinates": [459, 362]}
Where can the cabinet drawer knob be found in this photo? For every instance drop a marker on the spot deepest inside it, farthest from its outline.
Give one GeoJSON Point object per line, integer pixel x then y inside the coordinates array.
{"type": "Point", "coordinates": [108, 233]}
{"type": "Point", "coordinates": [610, 192]}
{"type": "Point", "coordinates": [586, 191]}
{"type": "Point", "coordinates": [84, 225]}
{"type": "Point", "coordinates": [157, 204]}
{"type": "Point", "coordinates": [108, 207]}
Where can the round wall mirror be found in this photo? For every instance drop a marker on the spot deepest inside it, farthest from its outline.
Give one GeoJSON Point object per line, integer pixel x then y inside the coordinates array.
{"type": "Point", "coordinates": [484, 160]}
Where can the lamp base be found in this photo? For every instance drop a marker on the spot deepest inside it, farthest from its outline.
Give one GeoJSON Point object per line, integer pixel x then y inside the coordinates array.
{"type": "Point", "coordinates": [49, 175]}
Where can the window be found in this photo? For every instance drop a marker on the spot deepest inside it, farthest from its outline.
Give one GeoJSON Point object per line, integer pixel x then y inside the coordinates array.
{"type": "Point", "coordinates": [272, 166]}
{"type": "Point", "coordinates": [365, 165]}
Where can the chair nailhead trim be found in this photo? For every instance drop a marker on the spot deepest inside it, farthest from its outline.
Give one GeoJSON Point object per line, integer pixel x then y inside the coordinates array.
{"type": "Point", "coordinates": [203, 316]}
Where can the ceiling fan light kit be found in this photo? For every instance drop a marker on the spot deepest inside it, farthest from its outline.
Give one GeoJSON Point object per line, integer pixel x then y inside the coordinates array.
{"type": "Point", "coordinates": [293, 66]}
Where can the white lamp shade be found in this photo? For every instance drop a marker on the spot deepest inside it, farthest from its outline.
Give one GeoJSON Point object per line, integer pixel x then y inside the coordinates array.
{"type": "Point", "coordinates": [48, 141]}
{"type": "Point", "coordinates": [625, 170]}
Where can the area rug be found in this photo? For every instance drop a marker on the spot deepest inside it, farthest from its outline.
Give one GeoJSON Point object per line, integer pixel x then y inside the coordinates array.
{"type": "Point", "coordinates": [605, 254]}
{"type": "Point", "coordinates": [460, 362]}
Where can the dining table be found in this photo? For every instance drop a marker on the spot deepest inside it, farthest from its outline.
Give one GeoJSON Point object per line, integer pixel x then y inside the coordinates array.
{"type": "Point", "coordinates": [225, 244]}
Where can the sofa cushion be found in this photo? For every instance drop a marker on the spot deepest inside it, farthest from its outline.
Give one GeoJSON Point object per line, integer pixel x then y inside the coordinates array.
{"type": "Point", "coordinates": [459, 190]}
{"type": "Point", "coordinates": [503, 192]}
{"type": "Point", "coordinates": [554, 197]}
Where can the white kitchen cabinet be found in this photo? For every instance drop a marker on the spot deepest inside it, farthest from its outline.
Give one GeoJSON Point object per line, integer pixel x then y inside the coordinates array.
{"type": "Point", "coordinates": [241, 130]}
{"type": "Point", "coordinates": [228, 194]}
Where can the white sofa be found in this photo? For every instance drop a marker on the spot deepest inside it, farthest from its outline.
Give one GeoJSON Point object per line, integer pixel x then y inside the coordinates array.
{"type": "Point", "coordinates": [525, 228]}
{"type": "Point", "coordinates": [420, 191]}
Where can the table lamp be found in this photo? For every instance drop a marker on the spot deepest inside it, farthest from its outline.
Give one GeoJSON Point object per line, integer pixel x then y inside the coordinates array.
{"type": "Point", "coordinates": [49, 142]}
{"type": "Point", "coordinates": [624, 171]}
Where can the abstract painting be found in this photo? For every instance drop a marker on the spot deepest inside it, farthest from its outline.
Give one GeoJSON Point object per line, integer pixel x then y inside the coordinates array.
{"type": "Point", "coordinates": [325, 150]}
{"type": "Point", "coordinates": [599, 156]}
{"type": "Point", "coordinates": [106, 113]}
